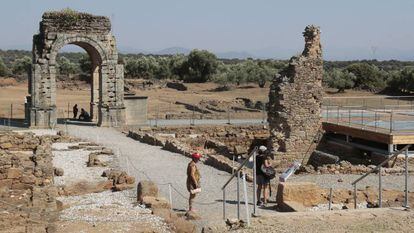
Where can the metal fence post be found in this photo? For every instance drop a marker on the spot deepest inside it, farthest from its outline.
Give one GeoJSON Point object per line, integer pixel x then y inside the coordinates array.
{"type": "Point", "coordinates": [228, 115]}
{"type": "Point", "coordinates": [391, 122]}
{"type": "Point", "coordinates": [156, 116]}
{"type": "Point", "coordinates": [224, 204]}
{"type": "Point", "coordinates": [337, 115]}
{"type": "Point", "coordinates": [355, 196]}
{"type": "Point", "coordinates": [349, 116]}
{"type": "Point", "coordinates": [327, 113]}
{"type": "Point", "coordinates": [170, 193]}
{"type": "Point", "coordinates": [376, 121]}
{"type": "Point", "coordinates": [238, 195]}
{"type": "Point", "coordinates": [362, 118]}
{"type": "Point", "coordinates": [68, 109]}
{"type": "Point", "coordinates": [246, 200]}
{"type": "Point", "coordinates": [330, 199]}
{"type": "Point", "coordinates": [11, 111]}
{"type": "Point", "coordinates": [192, 120]}
{"type": "Point", "coordinates": [406, 180]}
{"type": "Point", "coordinates": [254, 184]}
{"type": "Point", "coordinates": [398, 102]}
{"type": "Point", "coordinates": [264, 113]}
{"type": "Point", "coordinates": [379, 188]}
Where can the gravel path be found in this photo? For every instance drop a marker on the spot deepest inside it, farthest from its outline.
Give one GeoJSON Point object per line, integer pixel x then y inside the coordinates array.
{"type": "Point", "coordinates": [73, 163]}
{"type": "Point", "coordinates": [150, 162]}
{"type": "Point", "coordinates": [107, 212]}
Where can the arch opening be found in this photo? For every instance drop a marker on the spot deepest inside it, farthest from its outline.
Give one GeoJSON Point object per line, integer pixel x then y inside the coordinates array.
{"type": "Point", "coordinates": [78, 76]}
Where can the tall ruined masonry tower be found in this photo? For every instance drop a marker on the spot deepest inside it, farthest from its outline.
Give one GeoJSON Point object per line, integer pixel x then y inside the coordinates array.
{"type": "Point", "coordinates": [295, 100]}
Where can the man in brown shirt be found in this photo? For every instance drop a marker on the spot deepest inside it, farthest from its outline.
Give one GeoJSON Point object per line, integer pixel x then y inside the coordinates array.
{"type": "Point", "coordinates": [193, 179]}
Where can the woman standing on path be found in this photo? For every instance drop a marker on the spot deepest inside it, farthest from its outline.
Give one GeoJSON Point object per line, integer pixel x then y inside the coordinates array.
{"type": "Point", "coordinates": [263, 182]}
{"type": "Point", "coordinates": [193, 179]}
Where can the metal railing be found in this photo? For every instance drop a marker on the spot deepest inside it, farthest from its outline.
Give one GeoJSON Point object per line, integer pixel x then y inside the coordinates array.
{"type": "Point", "coordinates": [374, 101]}
{"type": "Point", "coordinates": [377, 120]}
{"type": "Point", "coordinates": [239, 174]}
{"type": "Point", "coordinates": [378, 168]}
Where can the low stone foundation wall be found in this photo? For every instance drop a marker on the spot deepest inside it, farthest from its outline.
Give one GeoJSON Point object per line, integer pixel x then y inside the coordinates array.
{"type": "Point", "coordinates": [27, 193]}
{"type": "Point", "coordinates": [186, 141]}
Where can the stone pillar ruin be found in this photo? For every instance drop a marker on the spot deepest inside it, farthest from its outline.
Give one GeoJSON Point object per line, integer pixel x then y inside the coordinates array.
{"type": "Point", "coordinates": [295, 100]}
{"type": "Point", "coordinates": [92, 33]}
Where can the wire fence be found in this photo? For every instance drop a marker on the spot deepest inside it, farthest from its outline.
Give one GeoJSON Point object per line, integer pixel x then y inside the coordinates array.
{"type": "Point", "coordinates": [367, 111]}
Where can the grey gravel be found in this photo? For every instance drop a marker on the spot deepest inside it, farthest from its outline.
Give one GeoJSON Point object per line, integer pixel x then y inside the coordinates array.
{"type": "Point", "coordinates": [73, 163]}
{"type": "Point", "coordinates": [109, 207]}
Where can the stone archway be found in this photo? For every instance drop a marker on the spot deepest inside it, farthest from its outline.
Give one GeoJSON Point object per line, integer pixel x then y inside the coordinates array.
{"type": "Point", "coordinates": [93, 34]}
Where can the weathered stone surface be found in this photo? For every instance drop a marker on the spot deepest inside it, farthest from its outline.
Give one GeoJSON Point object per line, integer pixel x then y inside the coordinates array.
{"type": "Point", "coordinates": [295, 100]}
{"type": "Point", "coordinates": [122, 187]}
{"type": "Point", "coordinates": [291, 206]}
{"type": "Point", "coordinates": [94, 161]}
{"type": "Point", "coordinates": [85, 187]}
{"type": "Point", "coordinates": [107, 151]}
{"type": "Point", "coordinates": [14, 173]}
{"type": "Point", "coordinates": [234, 224]}
{"type": "Point", "coordinates": [26, 181]}
{"type": "Point", "coordinates": [304, 193]}
{"type": "Point", "coordinates": [319, 158]}
{"type": "Point", "coordinates": [146, 189]}
{"type": "Point", "coordinates": [6, 145]}
{"type": "Point", "coordinates": [130, 180]}
{"type": "Point", "coordinates": [59, 171]}
{"type": "Point", "coordinates": [92, 33]}
{"type": "Point", "coordinates": [155, 202]}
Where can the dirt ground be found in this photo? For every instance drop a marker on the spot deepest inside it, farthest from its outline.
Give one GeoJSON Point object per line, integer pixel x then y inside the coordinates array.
{"type": "Point", "coordinates": [365, 220]}
{"type": "Point", "coordinates": [162, 101]}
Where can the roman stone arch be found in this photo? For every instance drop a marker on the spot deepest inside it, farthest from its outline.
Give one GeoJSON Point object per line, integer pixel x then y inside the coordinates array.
{"type": "Point", "coordinates": [93, 34]}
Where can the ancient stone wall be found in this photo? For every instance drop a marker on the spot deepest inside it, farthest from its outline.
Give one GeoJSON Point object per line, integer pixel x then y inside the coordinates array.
{"type": "Point", "coordinates": [74, 22]}
{"type": "Point", "coordinates": [27, 193]}
{"type": "Point", "coordinates": [295, 100]}
{"type": "Point", "coordinates": [92, 33]}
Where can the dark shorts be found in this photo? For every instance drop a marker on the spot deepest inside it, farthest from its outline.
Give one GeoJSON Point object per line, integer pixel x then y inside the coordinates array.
{"type": "Point", "coordinates": [262, 180]}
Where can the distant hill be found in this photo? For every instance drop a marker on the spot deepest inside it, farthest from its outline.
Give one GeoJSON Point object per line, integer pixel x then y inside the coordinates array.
{"type": "Point", "coordinates": [173, 50]}
{"type": "Point", "coordinates": [235, 54]}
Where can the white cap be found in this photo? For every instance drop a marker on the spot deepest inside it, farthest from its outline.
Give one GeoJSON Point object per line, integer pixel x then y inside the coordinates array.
{"type": "Point", "coordinates": [262, 148]}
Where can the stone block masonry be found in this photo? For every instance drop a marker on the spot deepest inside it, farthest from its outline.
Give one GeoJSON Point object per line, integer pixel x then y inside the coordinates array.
{"type": "Point", "coordinates": [295, 100]}
{"type": "Point", "coordinates": [27, 193]}
{"type": "Point", "coordinates": [93, 34]}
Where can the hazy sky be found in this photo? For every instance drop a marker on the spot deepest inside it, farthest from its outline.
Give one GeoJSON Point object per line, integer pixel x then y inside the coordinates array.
{"type": "Point", "coordinates": [350, 28]}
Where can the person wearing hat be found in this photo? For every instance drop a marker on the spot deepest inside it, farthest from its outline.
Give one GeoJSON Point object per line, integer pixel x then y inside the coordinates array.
{"type": "Point", "coordinates": [193, 179]}
{"type": "Point", "coordinates": [263, 183]}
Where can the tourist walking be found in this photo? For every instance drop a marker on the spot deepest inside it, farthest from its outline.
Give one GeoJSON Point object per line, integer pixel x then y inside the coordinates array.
{"type": "Point", "coordinates": [193, 179]}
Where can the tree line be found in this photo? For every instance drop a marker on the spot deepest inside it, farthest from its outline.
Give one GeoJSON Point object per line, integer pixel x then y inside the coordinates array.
{"type": "Point", "coordinates": [203, 66]}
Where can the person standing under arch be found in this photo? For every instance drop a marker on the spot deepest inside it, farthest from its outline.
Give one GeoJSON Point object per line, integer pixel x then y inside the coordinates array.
{"type": "Point", "coordinates": [75, 111]}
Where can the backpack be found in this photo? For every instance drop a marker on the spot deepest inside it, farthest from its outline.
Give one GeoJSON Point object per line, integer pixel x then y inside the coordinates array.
{"type": "Point", "coordinates": [269, 172]}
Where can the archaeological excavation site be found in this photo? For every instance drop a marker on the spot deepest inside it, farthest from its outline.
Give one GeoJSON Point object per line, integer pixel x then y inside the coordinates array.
{"type": "Point", "coordinates": [174, 156]}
